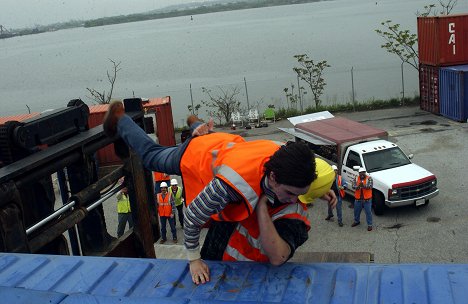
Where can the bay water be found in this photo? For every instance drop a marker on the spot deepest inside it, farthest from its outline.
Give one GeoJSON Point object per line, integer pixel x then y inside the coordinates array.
{"type": "Point", "coordinates": [216, 51]}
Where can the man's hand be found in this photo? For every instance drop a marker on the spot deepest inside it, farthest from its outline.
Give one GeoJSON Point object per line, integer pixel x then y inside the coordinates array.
{"type": "Point", "coordinates": [199, 271]}
{"type": "Point", "coordinates": [330, 197]}
{"type": "Point", "coordinates": [172, 215]}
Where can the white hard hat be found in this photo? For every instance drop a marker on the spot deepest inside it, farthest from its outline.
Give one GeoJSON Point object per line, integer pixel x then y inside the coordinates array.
{"type": "Point", "coordinates": [362, 170]}
{"type": "Point", "coordinates": [163, 185]}
{"type": "Point", "coordinates": [334, 167]}
{"type": "Point", "coordinates": [174, 182]}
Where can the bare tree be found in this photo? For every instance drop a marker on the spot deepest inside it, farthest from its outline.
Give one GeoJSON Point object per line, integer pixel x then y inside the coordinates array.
{"type": "Point", "coordinates": [402, 42]}
{"type": "Point", "coordinates": [103, 98]}
{"type": "Point", "coordinates": [311, 72]}
{"type": "Point", "coordinates": [195, 109]}
{"type": "Point", "coordinates": [224, 103]}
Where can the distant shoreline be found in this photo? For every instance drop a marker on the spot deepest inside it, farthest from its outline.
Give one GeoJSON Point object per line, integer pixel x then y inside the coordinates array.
{"type": "Point", "coordinates": [159, 14]}
{"type": "Point", "coordinates": [214, 8]}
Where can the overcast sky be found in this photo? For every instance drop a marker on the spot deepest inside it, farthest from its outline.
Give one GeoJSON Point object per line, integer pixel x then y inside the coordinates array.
{"type": "Point", "coordinates": [27, 13]}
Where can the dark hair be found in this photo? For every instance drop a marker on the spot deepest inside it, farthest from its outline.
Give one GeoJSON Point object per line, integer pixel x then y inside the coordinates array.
{"type": "Point", "coordinates": [293, 164]}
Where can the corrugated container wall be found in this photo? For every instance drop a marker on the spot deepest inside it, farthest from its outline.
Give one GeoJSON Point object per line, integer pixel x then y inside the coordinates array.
{"type": "Point", "coordinates": [164, 122]}
{"type": "Point", "coordinates": [443, 40]}
{"type": "Point", "coordinates": [454, 92]}
{"type": "Point", "coordinates": [429, 88]}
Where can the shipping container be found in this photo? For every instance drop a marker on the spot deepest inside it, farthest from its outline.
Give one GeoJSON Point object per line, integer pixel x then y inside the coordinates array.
{"type": "Point", "coordinates": [161, 107]}
{"type": "Point", "coordinates": [429, 88]}
{"type": "Point", "coordinates": [30, 278]}
{"type": "Point", "coordinates": [20, 117]}
{"type": "Point", "coordinates": [454, 92]}
{"type": "Point", "coordinates": [443, 40]}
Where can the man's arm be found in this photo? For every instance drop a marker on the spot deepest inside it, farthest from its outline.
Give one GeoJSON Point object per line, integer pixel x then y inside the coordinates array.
{"type": "Point", "coordinates": [277, 249]}
{"type": "Point", "coordinates": [213, 198]}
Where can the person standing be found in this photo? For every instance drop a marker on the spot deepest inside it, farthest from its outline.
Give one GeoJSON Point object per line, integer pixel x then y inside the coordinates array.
{"type": "Point", "coordinates": [338, 187]}
{"type": "Point", "coordinates": [178, 200]}
{"type": "Point", "coordinates": [124, 211]}
{"type": "Point", "coordinates": [166, 210]}
{"type": "Point", "coordinates": [362, 186]}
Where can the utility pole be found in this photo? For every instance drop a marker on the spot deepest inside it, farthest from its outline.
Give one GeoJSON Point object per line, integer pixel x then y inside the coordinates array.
{"type": "Point", "coordinates": [402, 85]}
{"type": "Point", "coordinates": [352, 84]}
{"type": "Point", "coordinates": [247, 95]}
{"type": "Point", "coordinates": [191, 98]}
{"type": "Point", "coordinates": [300, 95]}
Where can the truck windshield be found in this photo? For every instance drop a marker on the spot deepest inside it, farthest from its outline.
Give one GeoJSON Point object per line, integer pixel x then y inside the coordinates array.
{"type": "Point", "coordinates": [385, 159]}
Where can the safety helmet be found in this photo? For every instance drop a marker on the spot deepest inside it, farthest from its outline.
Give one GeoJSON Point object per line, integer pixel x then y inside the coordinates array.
{"type": "Point", "coordinates": [174, 182]}
{"type": "Point", "coordinates": [362, 170]}
{"type": "Point", "coordinates": [163, 185]}
{"type": "Point", "coordinates": [322, 184]}
{"type": "Point", "coordinates": [334, 167]}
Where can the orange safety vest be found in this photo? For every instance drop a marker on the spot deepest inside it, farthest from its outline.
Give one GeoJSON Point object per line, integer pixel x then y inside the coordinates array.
{"type": "Point", "coordinates": [244, 244]}
{"type": "Point", "coordinates": [230, 158]}
{"type": "Point", "coordinates": [159, 176]}
{"type": "Point", "coordinates": [164, 205]}
{"type": "Point", "coordinates": [362, 193]}
{"type": "Point", "coordinates": [342, 192]}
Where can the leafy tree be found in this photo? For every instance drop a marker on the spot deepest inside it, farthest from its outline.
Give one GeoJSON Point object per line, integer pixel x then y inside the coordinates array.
{"type": "Point", "coordinates": [225, 103]}
{"type": "Point", "coordinates": [402, 42]}
{"type": "Point", "coordinates": [311, 72]}
{"type": "Point", "coordinates": [103, 98]}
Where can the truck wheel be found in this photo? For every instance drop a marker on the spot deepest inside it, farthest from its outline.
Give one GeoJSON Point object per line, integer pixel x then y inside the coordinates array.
{"type": "Point", "coordinates": [378, 203]}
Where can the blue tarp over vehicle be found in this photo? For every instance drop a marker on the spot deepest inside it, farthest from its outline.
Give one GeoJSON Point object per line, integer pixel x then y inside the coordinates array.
{"type": "Point", "coordinates": [30, 278]}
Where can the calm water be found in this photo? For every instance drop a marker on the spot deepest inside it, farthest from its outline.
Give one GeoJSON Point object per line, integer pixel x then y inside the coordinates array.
{"type": "Point", "coordinates": [162, 57]}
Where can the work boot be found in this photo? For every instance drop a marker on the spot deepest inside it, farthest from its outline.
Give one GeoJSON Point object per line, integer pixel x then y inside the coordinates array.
{"type": "Point", "coordinates": [162, 241]}
{"type": "Point", "coordinates": [114, 113]}
{"type": "Point", "coordinates": [329, 217]}
{"type": "Point", "coordinates": [355, 224]}
{"type": "Point", "coordinates": [175, 241]}
{"type": "Point", "coordinates": [369, 228]}
{"type": "Point", "coordinates": [340, 224]}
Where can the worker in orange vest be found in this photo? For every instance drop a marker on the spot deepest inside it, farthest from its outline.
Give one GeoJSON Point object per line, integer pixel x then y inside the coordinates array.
{"type": "Point", "coordinates": [229, 180]}
{"type": "Point", "coordinates": [338, 187]}
{"type": "Point", "coordinates": [166, 210]}
{"type": "Point", "coordinates": [362, 186]}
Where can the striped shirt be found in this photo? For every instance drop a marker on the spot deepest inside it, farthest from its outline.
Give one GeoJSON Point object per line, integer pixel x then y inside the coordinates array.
{"type": "Point", "coordinates": [211, 200]}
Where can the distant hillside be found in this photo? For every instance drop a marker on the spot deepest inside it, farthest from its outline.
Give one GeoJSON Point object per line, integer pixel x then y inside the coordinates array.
{"type": "Point", "coordinates": [192, 9]}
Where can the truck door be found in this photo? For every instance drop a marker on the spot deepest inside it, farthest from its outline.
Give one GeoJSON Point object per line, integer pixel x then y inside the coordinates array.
{"type": "Point", "coordinates": [350, 160]}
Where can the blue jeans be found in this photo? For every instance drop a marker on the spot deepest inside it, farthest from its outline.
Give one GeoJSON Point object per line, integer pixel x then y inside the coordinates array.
{"type": "Point", "coordinates": [339, 211]}
{"type": "Point", "coordinates": [123, 218]}
{"type": "Point", "coordinates": [367, 205]}
{"type": "Point", "coordinates": [171, 221]}
{"type": "Point", "coordinates": [154, 156]}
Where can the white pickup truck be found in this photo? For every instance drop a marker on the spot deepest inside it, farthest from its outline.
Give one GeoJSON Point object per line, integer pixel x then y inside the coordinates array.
{"type": "Point", "coordinates": [350, 144]}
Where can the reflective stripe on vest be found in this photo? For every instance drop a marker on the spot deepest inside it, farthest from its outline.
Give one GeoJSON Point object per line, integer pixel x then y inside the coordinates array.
{"type": "Point", "coordinates": [242, 167]}
{"type": "Point", "coordinates": [245, 245]}
{"type": "Point", "coordinates": [196, 164]}
{"type": "Point", "coordinates": [164, 205]}
{"type": "Point", "coordinates": [123, 204]}
{"type": "Point", "coordinates": [339, 184]}
{"type": "Point", "coordinates": [367, 193]}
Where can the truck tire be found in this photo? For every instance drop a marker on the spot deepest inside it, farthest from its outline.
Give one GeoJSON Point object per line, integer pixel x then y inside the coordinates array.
{"type": "Point", "coordinates": [378, 203]}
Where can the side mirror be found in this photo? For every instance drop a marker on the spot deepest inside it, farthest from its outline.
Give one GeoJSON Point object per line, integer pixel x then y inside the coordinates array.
{"type": "Point", "coordinates": [356, 168]}
{"type": "Point", "coordinates": [411, 156]}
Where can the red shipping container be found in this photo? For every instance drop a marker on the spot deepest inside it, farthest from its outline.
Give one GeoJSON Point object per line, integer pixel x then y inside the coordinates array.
{"type": "Point", "coordinates": [429, 88]}
{"type": "Point", "coordinates": [443, 40]}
